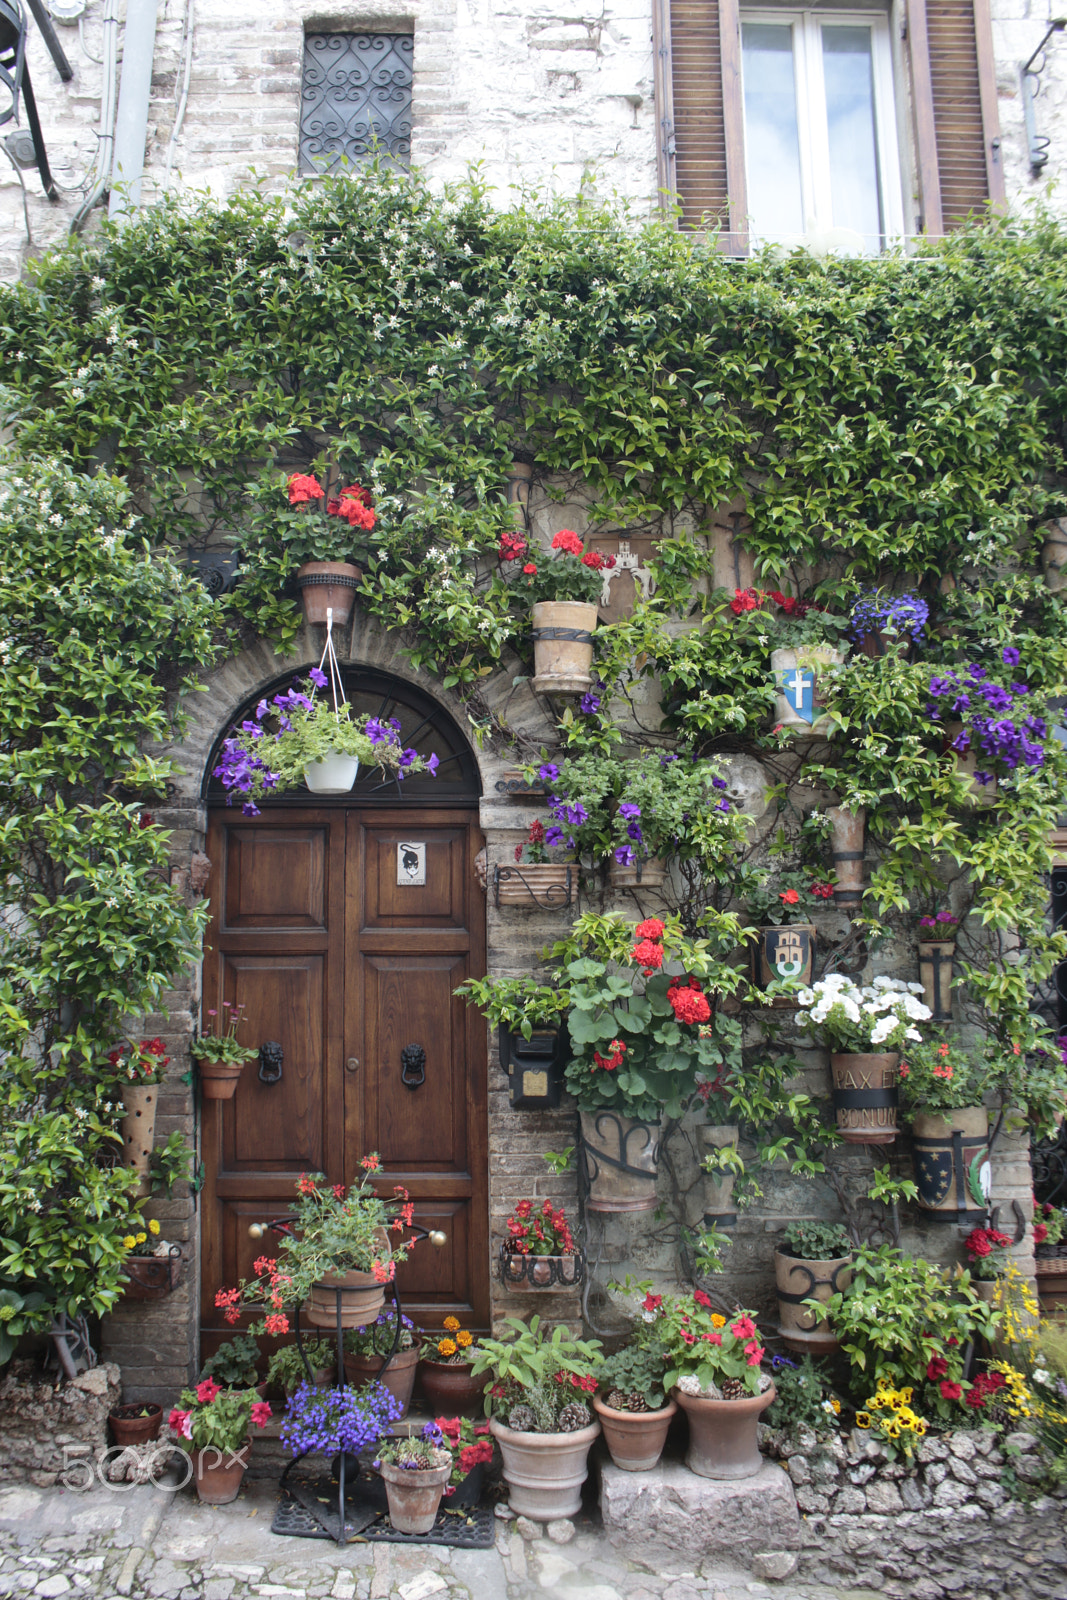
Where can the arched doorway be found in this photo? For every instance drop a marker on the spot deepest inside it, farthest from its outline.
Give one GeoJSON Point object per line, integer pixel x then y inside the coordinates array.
{"type": "Point", "coordinates": [342, 926]}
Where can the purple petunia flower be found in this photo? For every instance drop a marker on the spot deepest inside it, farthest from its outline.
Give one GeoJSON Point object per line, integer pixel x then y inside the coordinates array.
{"type": "Point", "coordinates": [589, 705]}
{"type": "Point", "coordinates": [549, 772]}
{"type": "Point", "coordinates": [624, 855]}
{"type": "Point", "coordinates": [318, 678]}
{"type": "Point", "coordinates": [1010, 656]}
{"type": "Point", "coordinates": [628, 810]}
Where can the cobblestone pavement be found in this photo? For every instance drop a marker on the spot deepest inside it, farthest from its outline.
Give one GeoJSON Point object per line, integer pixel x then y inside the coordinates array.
{"type": "Point", "coordinates": [145, 1543]}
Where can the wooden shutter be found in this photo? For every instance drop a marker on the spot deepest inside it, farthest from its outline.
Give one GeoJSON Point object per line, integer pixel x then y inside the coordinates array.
{"type": "Point", "coordinates": [698, 73]}
{"type": "Point", "coordinates": [957, 132]}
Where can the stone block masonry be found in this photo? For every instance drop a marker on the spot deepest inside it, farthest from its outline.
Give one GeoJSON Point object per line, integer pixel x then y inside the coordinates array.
{"type": "Point", "coordinates": [43, 1428]}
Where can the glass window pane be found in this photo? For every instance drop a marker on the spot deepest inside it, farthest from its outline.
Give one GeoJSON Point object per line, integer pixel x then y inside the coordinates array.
{"type": "Point", "coordinates": [854, 187]}
{"type": "Point", "coordinates": [772, 148]}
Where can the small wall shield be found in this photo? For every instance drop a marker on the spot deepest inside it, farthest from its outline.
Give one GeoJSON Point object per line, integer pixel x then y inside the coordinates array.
{"type": "Point", "coordinates": [786, 953]}
{"type": "Point", "coordinates": [797, 684]}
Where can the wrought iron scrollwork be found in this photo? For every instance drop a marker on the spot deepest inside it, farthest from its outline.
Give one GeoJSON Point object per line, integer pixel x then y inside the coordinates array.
{"type": "Point", "coordinates": [540, 1272]}
{"type": "Point", "coordinates": [355, 99]}
{"type": "Point", "coordinates": [550, 896]}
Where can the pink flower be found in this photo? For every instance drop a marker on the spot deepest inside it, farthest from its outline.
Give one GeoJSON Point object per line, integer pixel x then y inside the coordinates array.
{"type": "Point", "coordinates": [261, 1413]}
{"type": "Point", "coordinates": [206, 1391]}
{"type": "Point", "coordinates": [181, 1422]}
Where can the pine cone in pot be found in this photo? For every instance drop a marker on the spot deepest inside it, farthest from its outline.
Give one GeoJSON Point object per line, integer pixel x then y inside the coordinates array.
{"type": "Point", "coordinates": [574, 1415]}
{"type": "Point", "coordinates": [733, 1389]}
{"type": "Point", "coordinates": [521, 1419]}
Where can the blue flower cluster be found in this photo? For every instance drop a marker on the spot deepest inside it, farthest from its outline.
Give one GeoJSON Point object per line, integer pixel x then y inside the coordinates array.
{"type": "Point", "coordinates": [983, 706]}
{"type": "Point", "coordinates": [329, 1420]}
{"type": "Point", "coordinates": [877, 612]}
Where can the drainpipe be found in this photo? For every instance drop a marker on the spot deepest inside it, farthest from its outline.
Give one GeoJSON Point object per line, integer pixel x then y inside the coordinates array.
{"type": "Point", "coordinates": [131, 124]}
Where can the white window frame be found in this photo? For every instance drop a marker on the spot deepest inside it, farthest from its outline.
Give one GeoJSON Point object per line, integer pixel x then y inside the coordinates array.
{"type": "Point", "coordinates": [812, 132]}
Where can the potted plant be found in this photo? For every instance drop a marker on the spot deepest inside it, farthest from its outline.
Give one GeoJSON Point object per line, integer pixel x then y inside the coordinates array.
{"type": "Point", "coordinates": [539, 1253]}
{"type": "Point", "coordinates": [137, 1423]}
{"type": "Point", "coordinates": [998, 732]}
{"type": "Point", "coordinates": [881, 621]}
{"type": "Point", "coordinates": [336, 1251]}
{"type": "Point", "coordinates": [287, 1370]}
{"type": "Point", "coordinates": [805, 647]}
{"type": "Point", "coordinates": [780, 905]}
{"type": "Point", "coordinates": [373, 1350]}
{"type": "Point", "coordinates": [530, 1019]}
{"type": "Point", "coordinates": [987, 1254]}
{"type": "Point", "coordinates": [139, 1070]}
{"type": "Point", "coordinates": [1050, 1259]}
{"type": "Point", "coordinates": [535, 880]}
{"type": "Point", "coordinates": [633, 1408]}
{"type": "Point", "coordinates": [445, 1371]}
{"type": "Point", "coordinates": [235, 1364]}
{"type": "Point", "coordinates": [539, 1416]}
{"type": "Point", "coordinates": [852, 1021]}
{"type": "Point", "coordinates": [937, 950]}
{"type": "Point", "coordinates": [472, 1450]}
{"type": "Point", "coordinates": [154, 1265]}
{"type": "Point", "coordinates": [339, 1423]}
{"type": "Point", "coordinates": [941, 1087]}
{"type": "Point", "coordinates": [564, 591]}
{"type": "Point", "coordinates": [713, 1371]}
{"type": "Point", "coordinates": [318, 534]}
{"type": "Point", "coordinates": [220, 1059]}
{"type": "Point", "coordinates": [812, 1262]}
{"type": "Point", "coordinates": [415, 1472]}
{"type": "Point", "coordinates": [212, 1425]}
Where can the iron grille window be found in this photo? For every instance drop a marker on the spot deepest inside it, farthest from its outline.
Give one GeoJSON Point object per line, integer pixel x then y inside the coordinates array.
{"type": "Point", "coordinates": [355, 99]}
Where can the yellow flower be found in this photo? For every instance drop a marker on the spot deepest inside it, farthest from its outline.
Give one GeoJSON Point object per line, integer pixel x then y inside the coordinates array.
{"type": "Point", "coordinates": [717, 1321]}
{"type": "Point", "coordinates": [906, 1395]}
{"type": "Point", "coordinates": [153, 1226]}
{"type": "Point", "coordinates": [836, 1404]}
{"type": "Point", "coordinates": [863, 1419]}
{"type": "Point", "coordinates": [892, 1430]}
{"type": "Point", "coordinates": [464, 1339]}
{"type": "Point", "coordinates": [451, 1324]}
{"type": "Point", "coordinates": [918, 1426]}
{"type": "Point", "coordinates": [447, 1347]}
{"type": "Point", "coordinates": [142, 1238]}
{"type": "Point", "coordinates": [129, 1242]}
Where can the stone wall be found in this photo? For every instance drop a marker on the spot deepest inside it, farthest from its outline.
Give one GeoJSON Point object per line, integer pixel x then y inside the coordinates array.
{"type": "Point", "coordinates": [44, 1428]}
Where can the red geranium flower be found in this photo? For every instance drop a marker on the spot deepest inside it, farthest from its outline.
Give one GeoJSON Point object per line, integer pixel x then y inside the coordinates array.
{"type": "Point", "coordinates": [651, 928]}
{"type": "Point", "coordinates": [936, 1368]}
{"type": "Point", "coordinates": [647, 955]}
{"type": "Point", "coordinates": [303, 488]}
{"type": "Point", "coordinates": [566, 539]}
{"type": "Point", "coordinates": [789, 898]}
{"type": "Point", "coordinates": [950, 1391]}
{"type": "Point", "coordinates": [529, 569]}
{"type": "Point", "coordinates": [594, 559]}
{"type": "Point", "coordinates": [702, 1299]}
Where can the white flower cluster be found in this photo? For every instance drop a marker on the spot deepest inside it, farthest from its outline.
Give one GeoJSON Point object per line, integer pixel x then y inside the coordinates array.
{"type": "Point", "coordinates": [878, 1011]}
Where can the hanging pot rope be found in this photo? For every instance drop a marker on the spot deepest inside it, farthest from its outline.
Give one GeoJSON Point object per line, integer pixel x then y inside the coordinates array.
{"type": "Point", "coordinates": [330, 654]}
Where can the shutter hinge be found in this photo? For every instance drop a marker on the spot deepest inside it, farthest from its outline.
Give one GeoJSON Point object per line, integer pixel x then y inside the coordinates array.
{"type": "Point", "coordinates": [672, 148]}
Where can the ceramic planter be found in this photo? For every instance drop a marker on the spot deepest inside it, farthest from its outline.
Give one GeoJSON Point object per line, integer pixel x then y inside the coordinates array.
{"type": "Point", "coordinates": [865, 1097]}
{"type": "Point", "coordinates": [641, 875]}
{"type": "Point", "coordinates": [620, 1157]}
{"type": "Point", "coordinates": [361, 1299]}
{"type": "Point", "coordinates": [139, 1129]}
{"type": "Point", "coordinates": [979, 794]}
{"type": "Point", "coordinates": [950, 1153]}
{"type": "Point", "coordinates": [219, 1473]}
{"type": "Point", "coordinates": [130, 1425]}
{"type": "Point", "coordinates": [327, 585]}
{"type": "Point", "coordinates": [544, 1471]}
{"type": "Point", "coordinates": [723, 1441]}
{"type": "Point", "coordinates": [151, 1277]}
{"type": "Point", "coordinates": [218, 1079]}
{"type": "Point", "coordinates": [527, 886]}
{"type": "Point", "coordinates": [331, 774]}
{"type": "Point", "coordinates": [935, 975]}
{"type": "Point", "coordinates": [398, 1378]}
{"type": "Point", "coordinates": [800, 702]}
{"type": "Point", "coordinates": [414, 1497]}
{"type": "Point", "coordinates": [450, 1390]}
{"type": "Point", "coordinates": [563, 646]}
{"type": "Point", "coordinates": [784, 953]}
{"type": "Point", "coordinates": [634, 1438]}
{"type": "Point", "coordinates": [796, 1281]}
{"type": "Point", "coordinates": [846, 848]}
{"type": "Point", "coordinates": [719, 1186]}
{"type": "Point", "coordinates": [1054, 555]}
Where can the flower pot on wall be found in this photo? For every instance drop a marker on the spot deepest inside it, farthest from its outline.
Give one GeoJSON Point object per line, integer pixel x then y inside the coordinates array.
{"type": "Point", "coordinates": [151, 1277]}
{"type": "Point", "coordinates": [1054, 555]}
{"type": "Point", "coordinates": [545, 885]}
{"type": "Point", "coordinates": [563, 646]}
{"type": "Point", "coordinates": [979, 794]}
{"type": "Point", "coordinates": [846, 846]}
{"type": "Point", "coordinates": [139, 1130]}
{"type": "Point", "coordinates": [544, 1471]}
{"type": "Point", "coordinates": [801, 699]}
{"type": "Point", "coordinates": [935, 975]}
{"type": "Point", "coordinates": [331, 774]}
{"type": "Point", "coordinates": [634, 1438]}
{"type": "Point", "coordinates": [450, 1390]}
{"type": "Point", "coordinates": [398, 1377]}
{"type": "Point", "coordinates": [784, 953]}
{"type": "Point", "coordinates": [414, 1497]}
{"type": "Point", "coordinates": [620, 1159]}
{"type": "Point", "coordinates": [647, 874]}
{"type": "Point", "coordinates": [328, 585]}
{"type": "Point", "coordinates": [865, 1097]}
{"type": "Point", "coordinates": [218, 1079]}
{"type": "Point", "coordinates": [529, 1274]}
{"type": "Point", "coordinates": [723, 1439]}
{"type": "Point", "coordinates": [796, 1281]}
{"type": "Point", "coordinates": [719, 1186]}
{"type": "Point", "coordinates": [950, 1154]}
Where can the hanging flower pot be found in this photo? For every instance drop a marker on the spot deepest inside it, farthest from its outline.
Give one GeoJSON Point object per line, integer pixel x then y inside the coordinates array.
{"type": "Point", "coordinates": [1054, 555]}
{"type": "Point", "coordinates": [152, 1277]}
{"type": "Point", "coordinates": [563, 646]}
{"type": "Point", "coordinates": [529, 885]}
{"type": "Point", "coordinates": [950, 1154]}
{"type": "Point", "coordinates": [723, 1436]}
{"type": "Point", "coordinates": [800, 702]}
{"type": "Point", "coordinates": [935, 974]}
{"type": "Point", "coordinates": [846, 845]}
{"type": "Point", "coordinates": [331, 774]}
{"type": "Point", "coordinates": [647, 874]}
{"type": "Point", "coordinates": [865, 1097]}
{"type": "Point", "coordinates": [522, 1274]}
{"type": "Point", "coordinates": [967, 764]}
{"type": "Point", "coordinates": [620, 1158]}
{"type": "Point", "coordinates": [328, 586]}
{"type": "Point", "coordinates": [719, 1185]}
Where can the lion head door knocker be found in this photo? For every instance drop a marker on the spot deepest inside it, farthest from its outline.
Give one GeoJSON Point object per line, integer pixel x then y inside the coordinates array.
{"type": "Point", "coordinates": [412, 1066]}
{"type": "Point", "coordinates": [271, 1056]}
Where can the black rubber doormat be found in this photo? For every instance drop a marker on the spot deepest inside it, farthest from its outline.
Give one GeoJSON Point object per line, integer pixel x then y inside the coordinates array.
{"type": "Point", "coordinates": [308, 1509]}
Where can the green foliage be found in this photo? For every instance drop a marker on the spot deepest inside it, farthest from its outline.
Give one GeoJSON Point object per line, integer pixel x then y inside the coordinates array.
{"type": "Point", "coordinates": [941, 1075]}
{"type": "Point", "coordinates": [286, 1367]}
{"type": "Point", "coordinates": [221, 1423]}
{"type": "Point", "coordinates": [233, 1364]}
{"type": "Point", "coordinates": [635, 1371]}
{"type": "Point", "coordinates": [171, 1163]}
{"type": "Point", "coordinates": [17, 1313]}
{"type": "Point", "coordinates": [527, 1357]}
{"type": "Point", "coordinates": [521, 1004]}
{"type": "Point", "coordinates": [804, 1396]}
{"type": "Point", "coordinates": [816, 1241]}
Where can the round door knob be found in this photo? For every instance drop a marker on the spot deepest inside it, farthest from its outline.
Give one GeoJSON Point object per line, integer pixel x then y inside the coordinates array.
{"type": "Point", "coordinates": [256, 1230]}
{"type": "Point", "coordinates": [437, 1238]}
{"type": "Point", "coordinates": [352, 1064]}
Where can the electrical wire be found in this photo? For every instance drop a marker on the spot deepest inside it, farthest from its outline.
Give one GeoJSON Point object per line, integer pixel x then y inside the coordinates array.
{"type": "Point", "coordinates": [100, 173]}
{"type": "Point", "coordinates": [179, 115]}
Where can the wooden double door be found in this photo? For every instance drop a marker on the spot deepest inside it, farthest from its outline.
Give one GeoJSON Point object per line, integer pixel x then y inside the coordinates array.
{"type": "Point", "coordinates": [343, 932]}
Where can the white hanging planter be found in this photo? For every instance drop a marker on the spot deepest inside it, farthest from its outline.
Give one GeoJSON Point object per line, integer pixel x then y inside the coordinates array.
{"type": "Point", "coordinates": [332, 774]}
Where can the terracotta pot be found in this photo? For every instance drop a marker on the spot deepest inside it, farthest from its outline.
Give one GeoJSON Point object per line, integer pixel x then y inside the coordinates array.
{"type": "Point", "coordinates": [563, 646]}
{"type": "Point", "coordinates": [801, 699]}
{"type": "Point", "coordinates": [979, 794]}
{"type": "Point", "coordinates": [719, 1186]}
{"type": "Point", "coordinates": [219, 1079]}
{"type": "Point", "coordinates": [332, 774]}
{"type": "Point", "coordinates": [935, 975]}
{"type": "Point", "coordinates": [1054, 555]}
{"type": "Point", "coordinates": [641, 875]}
{"type": "Point", "coordinates": [945, 1147]}
{"type": "Point", "coordinates": [540, 1274]}
{"type": "Point", "coordinates": [634, 1438]}
{"type": "Point", "coordinates": [544, 1471]}
{"type": "Point", "coordinates": [798, 1280]}
{"type": "Point", "coordinates": [398, 1378]}
{"type": "Point", "coordinates": [326, 584]}
{"type": "Point", "coordinates": [219, 1472]}
{"type": "Point", "coordinates": [139, 1129]}
{"type": "Point", "coordinates": [784, 953]}
{"type": "Point", "coordinates": [514, 783]}
{"type": "Point", "coordinates": [846, 848]}
{"type": "Point", "coordinates": [151, 1277]}
{"type": "Point", "coordinates": [362, 1297]}
{"type": "Point", "coordinates": [450, 1390]}
{"type": "Point", "coordinates": [528, 886]}
{"type": "Point", "coordinates": [722, 1434]}
{"type": "Point", "coordinates": [865, 1097]}
{"type": "Point", "coordinates": [621, 1159]}
{"type": "Point", "coordinates": [129, 1425]}
{"type": "Point", "coordinates": [414, 1497]}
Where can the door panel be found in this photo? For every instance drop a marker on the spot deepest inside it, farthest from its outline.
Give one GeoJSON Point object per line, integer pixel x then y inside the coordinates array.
{"type": "Point", "coordinates": [441, 902]}
{"type": "Point", "coordinates": [410, 1002]}
{"type": "Point", "coordinates": [276, 878]}
{"type": "Point", "coordinates": [279, 1125]}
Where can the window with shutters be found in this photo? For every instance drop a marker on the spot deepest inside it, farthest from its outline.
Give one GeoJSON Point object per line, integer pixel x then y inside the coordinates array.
{"type": "Point", "coordinates": [355, 99]}
{"type": "Point", "coordinates": [780, 123]}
